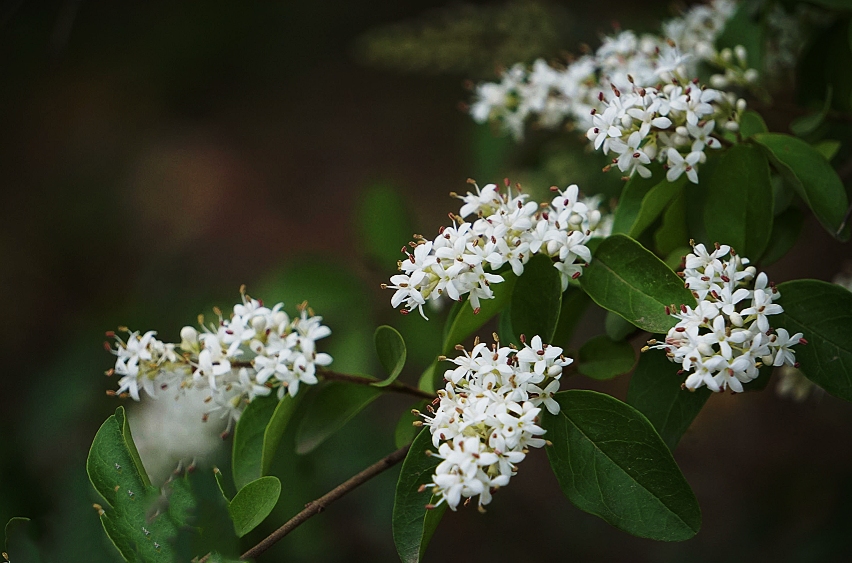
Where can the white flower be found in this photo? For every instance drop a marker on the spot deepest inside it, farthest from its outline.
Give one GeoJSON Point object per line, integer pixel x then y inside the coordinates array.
{"type": "Point", "coordinates": [282, 351]}
{"type": "Point", "coordinates": [678, 165]}
{"type": "Point", "coordinates": [487, 416]}
{"type": "Point", "coordinates": [724, 341]}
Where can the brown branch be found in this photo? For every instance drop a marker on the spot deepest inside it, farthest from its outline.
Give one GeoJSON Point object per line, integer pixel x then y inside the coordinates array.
{"type": "Point", "coordinates": [396, 386]}
{"type": "Point", "coordinates": [320, 504]}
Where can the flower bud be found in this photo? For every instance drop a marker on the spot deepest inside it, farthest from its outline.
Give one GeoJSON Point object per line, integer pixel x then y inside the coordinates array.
{"type": "Point", "coordinates": [718, 81]}
{"type": "Point", "coordinates": [742, 56]}
{"type": "Point", "coordinates": [736, 319]}
{"type": "Point", "coordinates": [732, 126]}
{"type": "Point", "coordinates": [751, 75]}
{"type": "Point", "coordinates": [188, 339]}
{"type": "Point", "coordinates": [258, 323]}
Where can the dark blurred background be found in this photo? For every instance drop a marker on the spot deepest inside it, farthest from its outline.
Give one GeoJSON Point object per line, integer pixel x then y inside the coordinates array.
{"type": "Point", "coordinates": [156, 155]}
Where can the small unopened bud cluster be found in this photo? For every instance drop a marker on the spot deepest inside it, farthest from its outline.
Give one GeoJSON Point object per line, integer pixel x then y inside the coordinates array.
{"type": "Point", "coordinates": [726, 338]}
{"type": "Point", "coordinates": [550, 95]}
{"type": "Point", "coordinates": [487, 416]}
{"type": "Point", "coordinates": [463, 258]}
{"type": "Point", "coordinates": [250, 353]}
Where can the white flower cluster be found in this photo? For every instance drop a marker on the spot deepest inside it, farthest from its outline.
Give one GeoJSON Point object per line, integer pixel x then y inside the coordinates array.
{"type": "Point", "coordinates": [623, 61]}
{"type": "Point", "coordinates": [508, 230]}
{"type": "Point", "coordinates": [250, 353]}
{"type": "Point", "coordinates": [487, 416]}
{"type": "Point", "coordinates": [724, 341]}
{"type": "Point", "coordinates": [673, 124]}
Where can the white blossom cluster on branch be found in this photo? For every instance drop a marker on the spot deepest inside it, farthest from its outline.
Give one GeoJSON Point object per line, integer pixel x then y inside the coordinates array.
{"type": "Point", "coordinates": [727, 337]}
{"type": "Point", "coordinates": [250, 353]}
{"type": "Point", "coordinates": [464, 257]}
{"type": "Point", "coordinates": [551, 95]}
{"type": "Point", "coordinates": [487, 416]}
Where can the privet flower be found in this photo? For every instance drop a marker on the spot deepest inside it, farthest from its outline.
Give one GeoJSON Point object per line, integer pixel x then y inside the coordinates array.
{"type": "Point", "coordinates": [727, 337]}
{"type": "Point", "coordinates": [463, 258]}
{"type": "Point", "coordinates": [487, 416]}
{"type": "Point", "coordinates": [252, 352]}
{"type": "Point", "coordinates": [589, 84]}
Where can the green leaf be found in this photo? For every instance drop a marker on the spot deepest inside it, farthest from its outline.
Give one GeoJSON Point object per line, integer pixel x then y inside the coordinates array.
{"type": "Point", "coordinates": [405, 431]}
{"type": "Point", "coordinates": [626, 278]}
{"type": "Point", "coordinates": [630, 202]}
{"type": "Point", "coordinates": [785, 232]}
{"type": "Point", "coordinates": [673, 230]}
{"type": "Point", "coordinates": [537, 299]}
{"type": "Point", "coordinates": [823, 313]}
{"type": "Point", "coordinates": [828, 148]}
{"type": "Point", "coordinates": [466, 322]}
{"type": "Point", "coordinates": [247, 456]}
{"type": "Point", "coordinates": [738, 211]}
{"type": "Point", "coordinates": [390, 348]}
{"type": "Point", "coordinates": [653, 204]}
{"type": "Point", "coordinates": [253, 503]}
{"type": "Point", "coordinates": [602, 358]}
{"type": "Point", "coordinates": [111, 466]}
{"type": "Point", "coordinates": [504, 328]}
{"type": "Point", "coordinates": [333, 405]}
{"type": "Point", "coordinates": [20, 547]}
{"type": "Point", "coordinates": [610, 462]}
{"type": "Point", "coordinates": [575, 302]}
{"type": "Point", "coordinates": [655, 391]}
{"type": "Point", "coordinates": [812, 176]}
{"type": "Point", "coordinates": [275, 429]}
{"type": "Point", "coordinates": [616, 327]}
{"type": "Point", "coordinates": [674, 260]}
{"type": "Point", "coordinates": [751, 123]}
{"type": "Point", "coordinates": [427, 378]}
{"type": "Point", "coordinates": [807, 124]}
{"type": "Point", "coordinates": [413, 525]}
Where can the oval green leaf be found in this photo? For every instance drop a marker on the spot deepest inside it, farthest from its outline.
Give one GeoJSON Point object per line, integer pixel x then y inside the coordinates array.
{"type": "Point", "coordinates": [405, 431]}
{"type": "Point", "coordinates": [655, 391]}
{"type": "Point", "coordinates": [413, 525]}
{"type": "Point", "coordinates": [630, 201]}
{"type": "Point", "coordinates": [253, 503]}
{"type": "Point", "coordinates": [19, 544]}
{"type": "Point", "coordinates": [575, 302]}
{"type": "Point", "coordinates": [536, 300]}
{"type": "Point", "coordinates": [602, 358]}
{"type": "Point", "coordinates": [465, 322]}
{"type": "Point", "coordinates": [610, 462]}
{"type": "Point", "coordinates": [823, 313]}
{"type": "Point", "coordinates": [626, 278]}
{"type": "Point", "coordinates": [275, 429]}
{"type": "Point", "coordinates": [247, 450]}
{"type": "Point", "coordinates": [812, 177]}
{"type": "Point", "coordinates": [739, 206]}
{"type": "Point", "coordinates": [751, 123]}
{"type": "Point", "coordinates": [111, 466]}
{"type": "Point", "coordinates": [390, 348]}
{"type": "Point", "coordinates": [654, 202]}
{"type": "Point", "coordinates": [785, 232]}
{"type": "Point", "coordinates": [333, 404]}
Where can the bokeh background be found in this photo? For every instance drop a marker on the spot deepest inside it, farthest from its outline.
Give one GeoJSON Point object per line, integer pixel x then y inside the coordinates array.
{"type": "Point", "coordinates": [156, 155]}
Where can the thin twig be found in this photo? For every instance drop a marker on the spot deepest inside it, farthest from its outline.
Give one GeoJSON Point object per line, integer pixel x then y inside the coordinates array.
{"type": "Point", "coordinates": [396, 386]}
{"type": "Point", "coordinates": [362, 380]}
{"type": "Point", "coordinates": [320, 504]}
